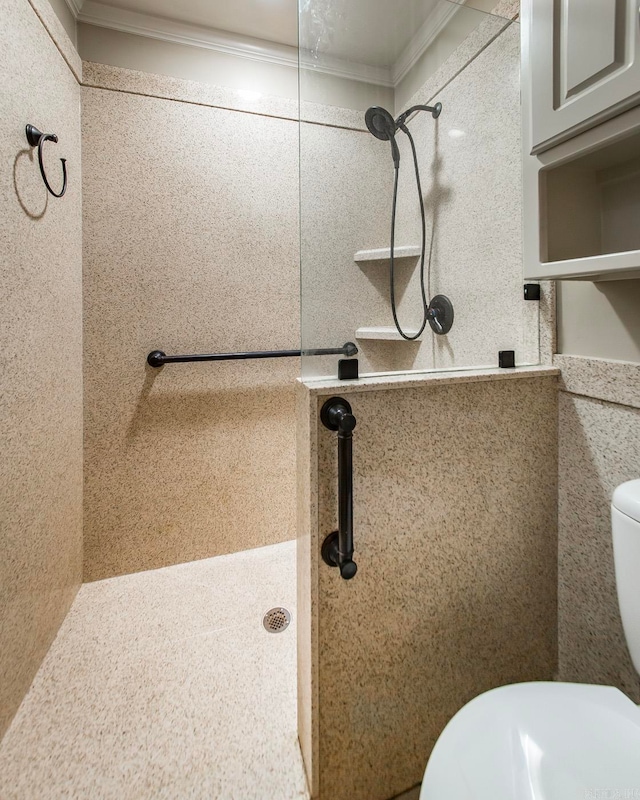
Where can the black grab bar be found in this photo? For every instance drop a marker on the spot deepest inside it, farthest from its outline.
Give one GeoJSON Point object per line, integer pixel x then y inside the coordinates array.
{"type": "Point", "coordinates": [158, 359]}
{"type": "Point", "coordinates": [337, 548]}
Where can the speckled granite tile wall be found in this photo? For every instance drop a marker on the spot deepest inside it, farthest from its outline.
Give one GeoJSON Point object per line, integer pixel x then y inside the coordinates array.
{"type": "Point", "coordinates": [345, 184]}
{"type": "Point", "coordinates": [455, 536]}
{"type": "Point", "coordinates": [599, 448]}
{"type": "Point", "coordinates": [613, 381]}
{"type": "Point", "coordinates": [190, 245]}
{"type": "Point", "coordinates": [118, 79]}
{"type": "Point", "coordinates": [472, 184]}
{"type": "Point", "coordinates": [58, 34]}
{"type": "Point", "coordinates": [104, 76]}
{"type": "Point", "coordinates": [470, 170]}
{"type": "Point", "coordinates": [40, 353]}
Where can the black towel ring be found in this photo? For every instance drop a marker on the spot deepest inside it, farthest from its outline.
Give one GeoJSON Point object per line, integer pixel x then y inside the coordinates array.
{"type": "Point", "coordinates": [36, 139]}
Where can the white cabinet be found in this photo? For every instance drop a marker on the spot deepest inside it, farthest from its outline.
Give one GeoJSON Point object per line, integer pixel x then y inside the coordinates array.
{"type": "Point", "coordinates": [581, 65]}
{"type": "Point", "coordinates": [581, 139]}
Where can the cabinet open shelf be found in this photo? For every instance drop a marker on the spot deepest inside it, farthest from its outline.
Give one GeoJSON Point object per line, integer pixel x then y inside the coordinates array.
{"type": "Point", "coordinates": [384, 254]}
{"type": "Point", "coordinates": [582, 205]}
{"type": "Point", "coordinates": [383, 334]}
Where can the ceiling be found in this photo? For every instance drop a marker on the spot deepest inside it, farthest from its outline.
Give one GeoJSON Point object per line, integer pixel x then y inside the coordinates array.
{"type": "Point", "coordinates": [272, 20]}
{"type": "Point", "coordinates": [372, 32]}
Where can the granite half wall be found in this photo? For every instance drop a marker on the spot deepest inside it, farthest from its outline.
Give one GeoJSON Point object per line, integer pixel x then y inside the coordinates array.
{"type": "Point", "coordinates": [455, 536]}
{"type": "Point", "coordinates": [190, 246]}
{"type": "Point", "coordinates": [40, 346]}
{"type": "Point", "coordinates": [599, 448]}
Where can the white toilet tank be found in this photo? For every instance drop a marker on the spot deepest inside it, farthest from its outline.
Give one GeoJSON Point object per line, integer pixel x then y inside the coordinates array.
{"type": "Point", "coordinates": [625, 526]}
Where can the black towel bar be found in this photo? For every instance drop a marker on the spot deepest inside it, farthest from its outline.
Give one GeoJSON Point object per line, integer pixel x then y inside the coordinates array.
{"type": "Point", "coordinates": [158, 359]}
{"type": "Point", "coordinates": [36, 139]}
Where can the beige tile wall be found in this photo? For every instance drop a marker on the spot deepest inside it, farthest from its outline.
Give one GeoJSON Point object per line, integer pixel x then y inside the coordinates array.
{"type": "Point", "coordinates": [599, 446]}
{"type": "Point", "coordinates": [470, 166]}
{"type": "Point", "coordinates": [190, 245]}
{"type": "Point", "coordinates": [470, 171]}
{"type": "Point", "coordinates": [345, 191]}
{"type": "Point", "coordinates": [455, 536]}
{"type": "Point", "coordinates": [40, 353]}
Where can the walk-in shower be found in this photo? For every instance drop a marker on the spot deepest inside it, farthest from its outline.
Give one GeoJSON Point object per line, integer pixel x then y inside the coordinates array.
{"type": "Point", "coordinates": [165, 455]}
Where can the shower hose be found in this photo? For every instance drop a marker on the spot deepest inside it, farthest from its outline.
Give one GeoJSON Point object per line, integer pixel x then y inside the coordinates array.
{"type": "Point", "coordinates": [423, 288]}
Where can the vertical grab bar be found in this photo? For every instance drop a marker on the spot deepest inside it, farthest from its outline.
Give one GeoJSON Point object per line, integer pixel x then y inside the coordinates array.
{"type": "Point", "coordinates": [337, 548]}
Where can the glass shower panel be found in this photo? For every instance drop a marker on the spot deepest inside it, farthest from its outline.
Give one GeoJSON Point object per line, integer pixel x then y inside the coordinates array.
{"type": "Point", "coordinates": [359, 54]}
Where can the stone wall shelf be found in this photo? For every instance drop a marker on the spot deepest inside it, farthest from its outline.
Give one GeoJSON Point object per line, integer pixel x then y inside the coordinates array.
{"type": "Point", "coordinates": [383, 334]}
{"type": "Point", "coordinates": [384, 254]}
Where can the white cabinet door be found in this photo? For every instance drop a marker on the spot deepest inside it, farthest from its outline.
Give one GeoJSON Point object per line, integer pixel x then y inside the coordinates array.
{"type": "Point", "coordinates": [581, 65]}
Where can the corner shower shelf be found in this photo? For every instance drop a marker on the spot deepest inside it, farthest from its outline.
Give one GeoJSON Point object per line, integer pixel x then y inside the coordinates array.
{"type": "Point", "coordinates": [383, 334]}
{"type": "Point", "coordinates": [384, 253]}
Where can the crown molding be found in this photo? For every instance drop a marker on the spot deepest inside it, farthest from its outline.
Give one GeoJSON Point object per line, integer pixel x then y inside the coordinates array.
{"type": "Point", "coordinates": [74, 7]}
{"type": "Point", "coordinates": [351, 70]}
{"type": "Point", "coordinates": [93, 12]}
{"type": "Point", "coordinates": [426, 34]}
{"type": "Point", "coordinates": [120, 19]}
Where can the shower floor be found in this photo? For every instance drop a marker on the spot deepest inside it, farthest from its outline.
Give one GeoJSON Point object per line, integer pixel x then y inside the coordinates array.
{"type": "Point", "coordinates": [164, 684]}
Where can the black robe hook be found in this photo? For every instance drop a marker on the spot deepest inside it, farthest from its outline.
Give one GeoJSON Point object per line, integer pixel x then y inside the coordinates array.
{"type": "Point", "coordinates": [36, 139]}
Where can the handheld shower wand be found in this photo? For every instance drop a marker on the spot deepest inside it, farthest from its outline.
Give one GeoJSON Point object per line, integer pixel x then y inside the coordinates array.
{"type": "Point", "coordinates": [383, 126]}
{"type": "Point", "coordinates": [439, 312]}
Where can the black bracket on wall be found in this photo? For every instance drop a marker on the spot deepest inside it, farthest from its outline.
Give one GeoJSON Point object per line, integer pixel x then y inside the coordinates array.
{"type": "Point", "coordinates": [348, 369]}
{"type": "Point", "coordinates": [507, 359]}
{"type": "Point", "coordinates": [337, 548]}
{"type": "Point", "coordinates": [532, 291]}
{"type": "Point", "coordinates": [36, 139]}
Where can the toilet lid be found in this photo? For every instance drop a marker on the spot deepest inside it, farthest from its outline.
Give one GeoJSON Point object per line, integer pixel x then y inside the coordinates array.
{"type": "Point", "coordinates": [538, 741]}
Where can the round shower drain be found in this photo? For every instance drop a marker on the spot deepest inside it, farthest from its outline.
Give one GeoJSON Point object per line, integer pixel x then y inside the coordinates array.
{"type": "Point", "coordinates": [276, 620]}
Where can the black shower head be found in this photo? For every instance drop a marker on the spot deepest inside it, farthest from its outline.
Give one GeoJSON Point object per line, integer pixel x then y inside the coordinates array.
{"type": "Point", "coordinates": [380, 122]}
{"type": "Point", "coordinates": [383, 126]}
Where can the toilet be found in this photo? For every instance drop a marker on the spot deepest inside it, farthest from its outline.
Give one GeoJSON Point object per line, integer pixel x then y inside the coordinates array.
{"type": "Point", "coordinates": [552, 741]}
